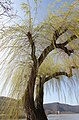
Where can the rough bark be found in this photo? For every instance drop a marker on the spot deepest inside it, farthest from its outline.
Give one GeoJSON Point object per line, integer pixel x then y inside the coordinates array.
{"type": "Point", "coordinates": [39, 101]}
{"type": "Point", "coordinates": [28, 98]}
{"type": "Point", "coordinates": [34, 110]}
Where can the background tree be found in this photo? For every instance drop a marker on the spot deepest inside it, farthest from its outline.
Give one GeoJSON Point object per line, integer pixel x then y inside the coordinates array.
{"type": "Point", "coordinates": [5, 8]}
{"type": "Point", "coordinates": [31, 54]}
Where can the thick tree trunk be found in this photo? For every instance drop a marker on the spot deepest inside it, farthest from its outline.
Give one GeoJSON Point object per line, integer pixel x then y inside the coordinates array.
{"type": "Point", "coordinates": [33, 112]}
{"type": "Point", "coordinates": [39, 101]}
{"type": "Point", "coordinates": [28, 98]}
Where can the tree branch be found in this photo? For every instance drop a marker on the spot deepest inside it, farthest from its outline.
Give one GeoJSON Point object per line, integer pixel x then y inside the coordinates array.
{"type": "Point", "coordinates": [32, 47]}
{"type": "Point", "coordinates": [45, 52]}
{"type": "Point", "coordinates": [53, 45]}
{"type": "Point", "coordinates": [69, 40]}
{"type": "Point", "coordinates": [63, 31]}
{"type": "Point", "coordinates": [62, 45]}
{"type": "Point", "coordinates": [49, 48]}
{"type": "Point", "coordinates": [66, 50]}
{"type": "Point", "coordinates": [54, 76]}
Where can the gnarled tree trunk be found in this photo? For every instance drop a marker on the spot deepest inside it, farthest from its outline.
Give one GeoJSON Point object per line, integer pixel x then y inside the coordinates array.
{"type": "Point", "coordinates": [32, 111]}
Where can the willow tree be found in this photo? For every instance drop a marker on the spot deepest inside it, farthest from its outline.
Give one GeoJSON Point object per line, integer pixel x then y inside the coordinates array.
{"type": "Point", "coordinates": [28, 52]}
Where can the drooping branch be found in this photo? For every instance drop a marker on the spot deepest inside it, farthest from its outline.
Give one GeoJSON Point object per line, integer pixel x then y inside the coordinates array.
{"type": "Point", "coordinates": [54, 75]}
{"type": "Point", "coordinates": [40, 88]}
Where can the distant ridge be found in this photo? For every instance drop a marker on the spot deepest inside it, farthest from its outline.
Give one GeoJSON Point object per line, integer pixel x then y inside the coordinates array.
{"type": "Point", "coordinates": [13, 107]}
{"type": "Point", "coordinates": [53, 108]}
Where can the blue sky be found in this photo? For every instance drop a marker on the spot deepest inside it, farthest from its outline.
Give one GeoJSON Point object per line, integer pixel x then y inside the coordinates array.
{"type": "Point", "coordinates": [42, 9]}
{"type": "Point", "coordinates": [42, 13]}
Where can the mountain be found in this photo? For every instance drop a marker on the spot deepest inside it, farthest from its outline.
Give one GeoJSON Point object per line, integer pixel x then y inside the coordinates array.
{"type": "Point", "coordinates": [53, 108]}
{"type": "Point", "coordinates": [12, 108]}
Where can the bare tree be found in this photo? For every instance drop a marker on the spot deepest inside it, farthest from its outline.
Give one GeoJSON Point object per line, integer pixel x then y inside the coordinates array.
{"type": "Point", "coordinates": [5, 8]}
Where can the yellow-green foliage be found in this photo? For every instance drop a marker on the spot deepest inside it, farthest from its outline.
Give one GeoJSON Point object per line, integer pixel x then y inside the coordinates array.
{"type": "Point", "coordinates": [49, 67]}
{"type": "Point", "coordinates": [16, 61]}
{"type": "Point", "coordinates": [17, 51]}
